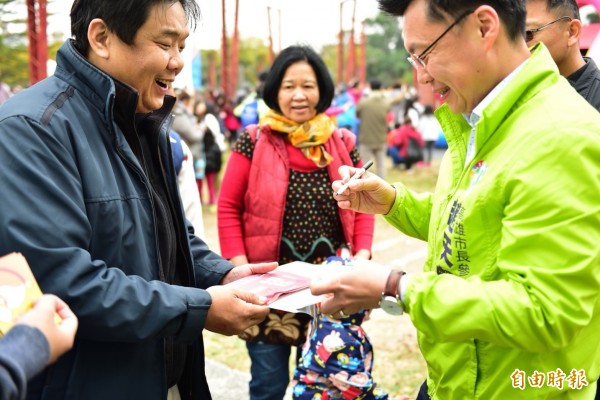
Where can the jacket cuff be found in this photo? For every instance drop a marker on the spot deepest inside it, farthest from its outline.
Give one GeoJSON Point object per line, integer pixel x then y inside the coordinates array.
{"type": "Point", "coordinates": [195, 319]}
{"type": "Point", "coordinates": [26, 349]}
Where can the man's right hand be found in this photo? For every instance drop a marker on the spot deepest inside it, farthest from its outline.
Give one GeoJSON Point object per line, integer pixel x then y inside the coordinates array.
{"type": "Point", "coordinates": [233, 311]}
{"type": "Point", "coordinates": [369, 194]}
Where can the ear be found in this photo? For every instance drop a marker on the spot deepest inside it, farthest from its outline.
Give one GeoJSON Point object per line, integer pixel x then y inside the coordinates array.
{"type": "Point", "coordinates": [488, 24]}
{"type": "Point", "coordinates": [574, 32]}
{"type": "Point", "coordinates": [99, 37]}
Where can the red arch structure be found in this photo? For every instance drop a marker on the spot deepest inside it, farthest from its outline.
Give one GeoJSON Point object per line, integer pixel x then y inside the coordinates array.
{"type": "Point", "coordinates": [37, 17]}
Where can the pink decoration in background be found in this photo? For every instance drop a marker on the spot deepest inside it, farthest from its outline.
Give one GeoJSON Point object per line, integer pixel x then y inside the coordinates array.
{"type": "Point", "coordinates": [595, 3]}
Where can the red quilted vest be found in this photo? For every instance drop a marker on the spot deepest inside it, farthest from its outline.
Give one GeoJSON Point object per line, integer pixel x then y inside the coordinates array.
{"type": "Point", "coordinates": [265, 197]}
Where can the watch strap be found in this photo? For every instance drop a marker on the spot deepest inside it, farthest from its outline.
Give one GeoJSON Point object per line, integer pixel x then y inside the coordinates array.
{"type": "Point", "coordinates": [392, 287]}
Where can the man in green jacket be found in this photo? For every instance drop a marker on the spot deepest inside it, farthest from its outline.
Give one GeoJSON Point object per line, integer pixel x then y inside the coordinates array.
{"type": "Point", "coordinates": [508, 303]}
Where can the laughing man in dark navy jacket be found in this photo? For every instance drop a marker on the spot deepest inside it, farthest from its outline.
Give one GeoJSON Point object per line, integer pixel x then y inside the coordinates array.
{"type": "Point", "coordinates": [89, 196]}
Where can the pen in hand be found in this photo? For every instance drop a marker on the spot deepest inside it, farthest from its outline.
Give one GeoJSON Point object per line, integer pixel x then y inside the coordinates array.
{"type": "Point", "coordinates": [357, 175]}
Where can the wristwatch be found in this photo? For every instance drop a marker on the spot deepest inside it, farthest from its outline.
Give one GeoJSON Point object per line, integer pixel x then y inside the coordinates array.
{"type": "Point", "coordinates": [390, 299]}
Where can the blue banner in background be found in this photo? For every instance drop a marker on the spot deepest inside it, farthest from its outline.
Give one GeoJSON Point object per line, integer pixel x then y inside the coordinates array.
{"type": "Point", "coordinates": [197, 71]}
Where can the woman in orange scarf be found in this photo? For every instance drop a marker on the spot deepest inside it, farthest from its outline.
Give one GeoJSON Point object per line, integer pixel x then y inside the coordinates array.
{"type": "Point", "coordinates": [276, 200]}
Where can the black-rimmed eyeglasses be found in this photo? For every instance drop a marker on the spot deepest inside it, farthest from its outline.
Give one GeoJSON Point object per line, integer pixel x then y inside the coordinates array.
{"type": "Point", "coordinates": [530, 32]}
{"type": "Point", "coordinates": [417, 60]}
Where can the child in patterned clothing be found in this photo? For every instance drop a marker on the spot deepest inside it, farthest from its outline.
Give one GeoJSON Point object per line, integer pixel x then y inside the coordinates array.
{"type": "Point", "coordinates": [337, 359]}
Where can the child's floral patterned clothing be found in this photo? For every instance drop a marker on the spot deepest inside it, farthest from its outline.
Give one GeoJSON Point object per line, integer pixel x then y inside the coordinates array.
{"type": "Point", "coordinates": [336, 362]}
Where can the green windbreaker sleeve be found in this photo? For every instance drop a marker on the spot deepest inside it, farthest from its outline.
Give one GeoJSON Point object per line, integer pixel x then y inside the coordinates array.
{"type": "Point", "coordinates": [411, 212]}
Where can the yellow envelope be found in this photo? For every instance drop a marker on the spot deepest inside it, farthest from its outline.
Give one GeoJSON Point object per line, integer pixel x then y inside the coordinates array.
{"type": "Point", "coordinates": [18, 289]}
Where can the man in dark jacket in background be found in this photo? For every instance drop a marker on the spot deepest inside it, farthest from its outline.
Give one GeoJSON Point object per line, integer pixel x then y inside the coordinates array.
{"type": "Point", "coordinates": [89, 196]}
{"type": "Point", "coordinates": [557, 24]}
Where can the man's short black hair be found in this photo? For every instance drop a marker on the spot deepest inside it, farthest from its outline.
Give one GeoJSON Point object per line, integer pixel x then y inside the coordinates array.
{"type": "Point", "coordinates": [512, 13]}
{"type": "Point", "coordinates": [123, 17]}
{"type": "Point", "coordinates": [564, 7]}
{"type": "Point", "coordinates": [375, 84]}
{"type": "Point", "coordinates": [292, 55]}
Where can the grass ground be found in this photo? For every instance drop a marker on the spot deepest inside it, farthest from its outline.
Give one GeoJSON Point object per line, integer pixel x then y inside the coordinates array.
{"type": "Point", "coordinates": [399, 367]}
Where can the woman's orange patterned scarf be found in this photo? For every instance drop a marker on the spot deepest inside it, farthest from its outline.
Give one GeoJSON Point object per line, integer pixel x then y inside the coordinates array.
{"type": "Point", "coordinates": [309, 137]}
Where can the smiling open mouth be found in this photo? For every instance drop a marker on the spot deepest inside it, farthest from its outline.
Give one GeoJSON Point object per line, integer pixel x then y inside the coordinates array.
{"type": "Point", "coordinates": [163, 84]}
